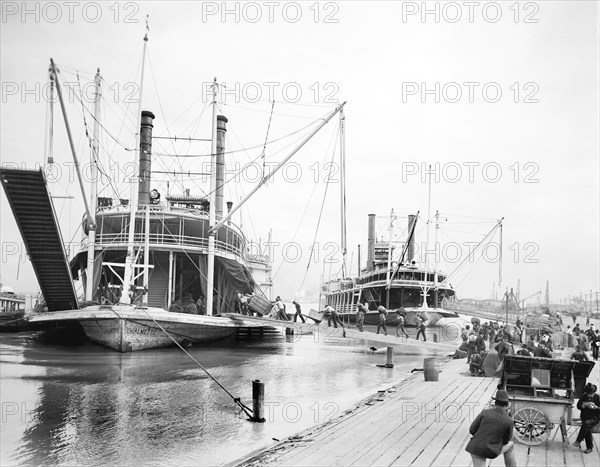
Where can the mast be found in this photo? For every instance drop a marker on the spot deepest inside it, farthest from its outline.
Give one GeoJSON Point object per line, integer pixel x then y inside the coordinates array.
{"type": "Point", "coordinates": [424, 288]}
{"type": "Point", "coordinates": [212, 208]}
{"type": "Point", "coordinates": [435, 246]}
{"type": "Point", "coordinates": [500, 262]}
{"type": "Point", "coordinates": [50, 122]}
{"type": "Point", "coordinates": [128, 275]}
{"type": "Point", "coordinates": [89, 293]}
{"type": "Point", "coordinates": [389, 259]}
{"type": "Point", "coordinates": [343, 187]}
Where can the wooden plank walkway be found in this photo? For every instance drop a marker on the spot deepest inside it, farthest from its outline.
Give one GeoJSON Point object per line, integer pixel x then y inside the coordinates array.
{"type": "Point", "coordinates": [417, 423]}
{"type": "Point", "coordinates": [331, 333]}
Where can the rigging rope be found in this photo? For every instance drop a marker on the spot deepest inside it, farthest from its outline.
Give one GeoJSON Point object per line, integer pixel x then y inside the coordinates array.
{"type": "Point", "coordinates": [310, 199]}
{"type": "Point", "coordinates": [237, 400]}
{"type": "Point", "coordinates": [266, 139]}
{"type": "Point", "coordinates": [312, 250]}
{"type": "Point", "coordinates": [4, 323]}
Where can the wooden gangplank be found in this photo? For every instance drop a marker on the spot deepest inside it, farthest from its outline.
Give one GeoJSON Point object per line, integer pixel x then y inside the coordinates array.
{"type": "Point", "coordinates": [30, 201]}
{"type": "Point", "coordinates": [332, 333]}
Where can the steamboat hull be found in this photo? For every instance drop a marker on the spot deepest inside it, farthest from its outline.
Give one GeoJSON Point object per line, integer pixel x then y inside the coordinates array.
{"type": "Point", "coordinates": [129, 336]}
{"type": "Point", "coordinates": [129, 329]}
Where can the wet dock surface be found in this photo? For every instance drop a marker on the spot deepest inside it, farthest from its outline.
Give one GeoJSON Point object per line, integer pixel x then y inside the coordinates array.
{"type": "Point", "coordinates": [418, 423]}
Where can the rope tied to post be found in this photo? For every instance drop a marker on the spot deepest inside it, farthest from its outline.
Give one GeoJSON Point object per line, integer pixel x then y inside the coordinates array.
{"type": "Point", "coordinates": [236, 400]}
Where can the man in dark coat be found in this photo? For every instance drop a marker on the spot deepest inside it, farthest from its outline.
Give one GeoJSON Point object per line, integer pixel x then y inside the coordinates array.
{"type": "Point", "coordinates": [298, 312]}
{"type": "Point", "coordinates": [589, 404]}
{"type": "Point", "coordinates": [492, 434]}
{"type": "Point", "coordinates": [541, 351]}
{"type": "Point", "coordinates": [480, 342]}
{"type": "Point", "coordinates": [595, 343]}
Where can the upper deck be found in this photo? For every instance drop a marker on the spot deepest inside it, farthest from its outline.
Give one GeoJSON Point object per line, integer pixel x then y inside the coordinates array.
{"type": "Point", "coordinates": [405, 277]}
{"type": "Point", "coordinates": [172, 228]}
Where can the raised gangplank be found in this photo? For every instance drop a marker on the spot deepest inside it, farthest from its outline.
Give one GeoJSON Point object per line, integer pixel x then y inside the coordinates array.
{"type": "Point", "coordinates": [418, 423]}
{"type": "Point", "coordinates": [30, 201]}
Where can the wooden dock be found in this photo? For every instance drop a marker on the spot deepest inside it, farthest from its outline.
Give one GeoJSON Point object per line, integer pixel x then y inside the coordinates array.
{"type": "Point", "coordinates": [417, 423]}
{"type": "Point", "coordinates": [331, 334]}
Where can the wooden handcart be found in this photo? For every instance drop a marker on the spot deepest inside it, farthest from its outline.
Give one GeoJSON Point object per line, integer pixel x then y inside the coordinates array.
{"type": "Point", "coordinates": [541, 393]}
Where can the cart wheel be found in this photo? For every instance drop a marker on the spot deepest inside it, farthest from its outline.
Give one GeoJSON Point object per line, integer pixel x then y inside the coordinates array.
{"type": "Point", "coordinates": [531, 426]}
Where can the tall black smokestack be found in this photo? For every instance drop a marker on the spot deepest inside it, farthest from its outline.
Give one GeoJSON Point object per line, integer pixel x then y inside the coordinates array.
{"type": "Point", "coordinates": [371, 243]}
{"type": "Point", "coordinates": [220, 169]}
{"type": "Point", "coordinates": [145, 158]}
{"type": "Point", "coordinates": [410, 252]}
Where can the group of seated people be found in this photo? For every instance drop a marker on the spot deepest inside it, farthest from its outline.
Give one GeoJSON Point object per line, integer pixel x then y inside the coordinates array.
{"type": "Point", "coordinates": [189, 306]}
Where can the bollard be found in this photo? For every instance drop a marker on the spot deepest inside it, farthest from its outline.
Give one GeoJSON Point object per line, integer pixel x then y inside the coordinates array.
{"type": "Point", "coordinates": [435, 337]}
{"type": "Point", "coordinates": [258, 401]}
{"type": "Point", "coordinates": [390, 357]}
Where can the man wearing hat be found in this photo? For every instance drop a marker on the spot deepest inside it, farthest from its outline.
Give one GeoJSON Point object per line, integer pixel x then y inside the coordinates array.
{"type": "Point", "coordinates": [492, 434]}
{"type": "Point", "coordinates": [589, 404]}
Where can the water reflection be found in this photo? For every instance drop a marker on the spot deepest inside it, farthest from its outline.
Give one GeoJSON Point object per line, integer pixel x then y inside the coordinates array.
{"type": "Point", "coordinates": [84, 404]}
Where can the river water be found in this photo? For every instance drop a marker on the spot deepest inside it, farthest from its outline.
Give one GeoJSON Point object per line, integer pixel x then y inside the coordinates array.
{"type": "Point", "coordinates": [82, 404]}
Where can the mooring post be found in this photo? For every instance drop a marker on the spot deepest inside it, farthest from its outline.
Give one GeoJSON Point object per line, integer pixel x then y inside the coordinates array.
{"type": "Point", "coordinates": [258, 401]}
{"type": "Point", "coordinates": [390, 357]}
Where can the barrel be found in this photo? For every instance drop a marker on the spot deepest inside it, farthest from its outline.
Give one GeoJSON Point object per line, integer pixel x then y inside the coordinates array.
{"type": "Point", "coordinates": [431, 369]}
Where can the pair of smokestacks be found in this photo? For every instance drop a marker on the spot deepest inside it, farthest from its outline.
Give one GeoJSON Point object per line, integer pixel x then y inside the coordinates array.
{"type": "Point", "coordinates": [145, 169]}
{"type": "Point", "coordinates": [371, 239]}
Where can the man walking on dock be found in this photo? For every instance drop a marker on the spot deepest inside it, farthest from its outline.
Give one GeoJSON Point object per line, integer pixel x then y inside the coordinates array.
{"type": "Point", "coordinates": [400, 325]}
{"type": "Point", "coordinates": [382, 319]}
{"type": "Point", "coordinates": [492, 434]}
{"type": "Point", "coordinates": [298, 312]}
{"type": "Point", "coordinates": [421, 330]}
{"type": "Point", "coordinates": [360, 316]}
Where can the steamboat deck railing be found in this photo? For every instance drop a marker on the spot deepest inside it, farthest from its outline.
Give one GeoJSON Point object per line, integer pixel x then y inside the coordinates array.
{"type": "Point", "coordinates": [168, 242]}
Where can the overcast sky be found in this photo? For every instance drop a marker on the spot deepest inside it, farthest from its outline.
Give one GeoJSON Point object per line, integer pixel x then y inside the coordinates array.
{"type": "Point", "coordinates": [500, 98]}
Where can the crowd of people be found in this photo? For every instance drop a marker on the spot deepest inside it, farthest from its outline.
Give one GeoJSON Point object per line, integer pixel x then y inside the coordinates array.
{"type": "Point", "coordinates": [586, 340]}
{"type": "Point", "coordinates": [490, 339]}
{"type": "Point", "coordinates": [492, 429]}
